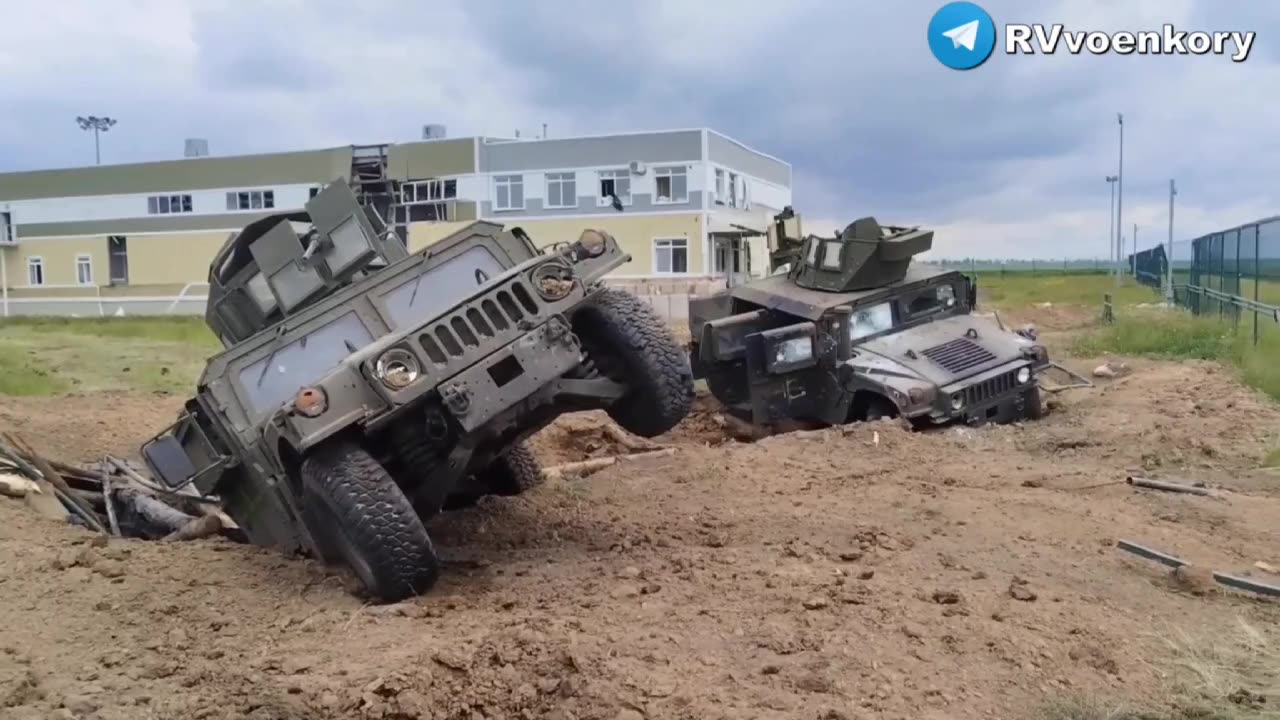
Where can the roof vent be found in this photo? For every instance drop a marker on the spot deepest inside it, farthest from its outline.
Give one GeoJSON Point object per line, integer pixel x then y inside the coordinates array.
{"type": "Point", "coordinates": [433, 132]}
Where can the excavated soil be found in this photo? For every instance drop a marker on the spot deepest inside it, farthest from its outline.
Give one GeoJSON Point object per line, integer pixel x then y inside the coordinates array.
{"type": "Point", "coordinates": [869, 572]}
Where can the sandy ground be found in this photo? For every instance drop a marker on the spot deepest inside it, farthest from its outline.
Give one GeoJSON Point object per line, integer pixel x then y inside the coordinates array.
{"type": "Point", "coordinates": [968, 573]}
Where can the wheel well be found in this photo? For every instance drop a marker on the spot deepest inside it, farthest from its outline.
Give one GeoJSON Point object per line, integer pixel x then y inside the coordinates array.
{"type": "Point", "coordinates": [291, 461]}
{"type": "Point", "coordinates": [865, 400]}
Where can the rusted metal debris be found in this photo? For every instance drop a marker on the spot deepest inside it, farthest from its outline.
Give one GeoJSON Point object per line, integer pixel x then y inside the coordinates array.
{"type": "Point", "coordinates": [1173, 487]}
{"type": "Point", "coordinates": [109, 497]}
{"type": "Point", "coordinates": [1232, 581]}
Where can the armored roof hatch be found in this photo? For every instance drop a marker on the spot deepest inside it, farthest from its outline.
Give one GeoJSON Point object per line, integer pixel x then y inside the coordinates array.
{"type": "Point", "coordinates": [863, 256]}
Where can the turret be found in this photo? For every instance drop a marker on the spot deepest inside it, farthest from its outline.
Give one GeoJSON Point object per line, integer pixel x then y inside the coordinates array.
{"type": "Point", "coordinates": [865, 255]}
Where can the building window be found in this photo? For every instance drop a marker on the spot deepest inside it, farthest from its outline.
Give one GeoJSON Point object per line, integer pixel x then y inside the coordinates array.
{"type": "Point", "coordinates": [426, 201]}
{"type": "Point", "coordinates": [562, 190]}
{"type": "Point", "coordinates": [35, 271]}
{"type": "Point", "coordinates": [614, 182]}
{"type": "Point", "coordinates": [251, 200]}
{"type": "Point", "coordinates": [6, 229]}
{"type": "Point", "coordinates": [672, 184]}
{"type": "Point", "coordinates": [671, 256]}
{"type": "Point", "coordinates": [719, 186]}
{"type": "Point", "coordinates": [168, 204]}
{"type": "Point", "coordinates": [84, 270]}
{"type": "Point", "coordinates": [421, 191]}
{"type": "Point", "coordinates": [509, 192]}
{"type": "Point", "coordinates": [118, 257]}
{"type": "Point", "coordinates": [733, 190]}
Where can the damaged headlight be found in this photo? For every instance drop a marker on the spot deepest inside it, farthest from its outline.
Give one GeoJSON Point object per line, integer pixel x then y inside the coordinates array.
{"type": "Point", "coordinates": [1024, 374]}
{"type": "Point", "coordinates": [793, 351]}
{"type": "Point", "coordinates": [397, 368]}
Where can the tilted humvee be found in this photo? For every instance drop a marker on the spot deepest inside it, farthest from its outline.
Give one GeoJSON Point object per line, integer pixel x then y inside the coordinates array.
{"type": "Point", "coordinates": [847, 329]}
{"type": "Point", "coordinates": [364, 389]}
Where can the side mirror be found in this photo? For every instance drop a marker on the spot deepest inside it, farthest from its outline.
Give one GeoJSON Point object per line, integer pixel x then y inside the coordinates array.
{"type": "Point", "coordinates": [168, 461]}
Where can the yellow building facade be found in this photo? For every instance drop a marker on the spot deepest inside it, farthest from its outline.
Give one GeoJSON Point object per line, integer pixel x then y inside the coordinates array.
{"type": "Point", "coordinates": [138, 239]}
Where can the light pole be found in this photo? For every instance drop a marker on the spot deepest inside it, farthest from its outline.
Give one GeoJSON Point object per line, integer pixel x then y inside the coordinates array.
{"type": "Point", "coordinates": [98, 125]}
{"type": "Point", "coordinates": [1120, 192]}
{"type": "Point", "coordinates": [1133, 265]}
{"type": "Point", "coordinates": [1168, 261]}
{"type": "Point", "coordinates": [1111, 224]}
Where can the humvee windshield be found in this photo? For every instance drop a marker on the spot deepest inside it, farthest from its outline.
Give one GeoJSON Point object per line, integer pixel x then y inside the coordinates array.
{"type": "Point", "coordinates": [268, 383]}
{"type": "Point", "coordinates": [871, 320]}
{"type": "Point", "coordinates": [422, 297]}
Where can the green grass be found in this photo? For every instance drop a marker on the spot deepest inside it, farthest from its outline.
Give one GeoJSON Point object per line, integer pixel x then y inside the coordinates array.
{"type": "Point", "coordinates": [48, 356]}
{"type": "Point", "coordinates": [1017, 290]}
{"type": "Point", "coordinates": [1272, 459]}
{"type": "Point", "coordinates": [1179, 335]}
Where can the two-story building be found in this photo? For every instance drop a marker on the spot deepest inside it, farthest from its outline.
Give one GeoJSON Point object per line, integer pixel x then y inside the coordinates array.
{"type": "Point", "coordinates": [139, 237]}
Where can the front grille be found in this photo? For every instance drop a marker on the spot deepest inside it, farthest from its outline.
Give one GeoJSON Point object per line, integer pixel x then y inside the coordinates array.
{"type": "Point", "coordinates": [496, 314]}
{"type": "Point", "coordinates": [986, 390]}
{"type": "Point", "coordinates": [959, 355]}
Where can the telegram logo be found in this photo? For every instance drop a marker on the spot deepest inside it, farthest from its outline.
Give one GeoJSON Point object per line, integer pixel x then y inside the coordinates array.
{"type": "Point", "coordinates": [962, 35]}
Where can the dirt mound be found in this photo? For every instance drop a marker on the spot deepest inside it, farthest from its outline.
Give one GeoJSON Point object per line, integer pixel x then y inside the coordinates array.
{"type": "Point", "coordinates": [871, 571]}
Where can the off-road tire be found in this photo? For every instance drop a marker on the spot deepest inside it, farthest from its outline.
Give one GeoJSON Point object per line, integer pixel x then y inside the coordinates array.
{"type": "Point", "coordinates": [513, 472]}
{"type": "Point", "coordinates": [1032, 409]}
{"type": "Point", "coordinates": [634, 345]}
{"type": "Point", "coordinates": [359, 514]}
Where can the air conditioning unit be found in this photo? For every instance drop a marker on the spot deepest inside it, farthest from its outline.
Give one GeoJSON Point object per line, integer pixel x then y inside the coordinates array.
{"type": "Point", "coordinates": [637, 167]}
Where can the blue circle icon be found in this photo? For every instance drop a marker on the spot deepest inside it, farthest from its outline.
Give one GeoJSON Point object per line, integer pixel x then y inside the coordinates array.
{"type": "Point", "coordinates": [962, 35]}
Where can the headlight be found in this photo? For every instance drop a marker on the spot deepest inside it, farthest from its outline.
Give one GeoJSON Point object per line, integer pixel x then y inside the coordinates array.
{"type": "Point", "coordinates": [592, 241]}
{"type": "Point", "coordinates": [397, 368]}
{"type": "Point", "coordinates": [553, 281]}
{"type": "Point", "coordinates": [957, 401]}
{"type": "Point", "coordinates": [793, 351]}
{"type": "Point", "coordinates": [1024, 374]}
{"type": "Point", "coordinates": [311, 402]}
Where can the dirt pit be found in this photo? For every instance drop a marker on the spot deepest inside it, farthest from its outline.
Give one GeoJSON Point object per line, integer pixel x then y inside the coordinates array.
{"type": "Point", "coordinates": [966, 573]}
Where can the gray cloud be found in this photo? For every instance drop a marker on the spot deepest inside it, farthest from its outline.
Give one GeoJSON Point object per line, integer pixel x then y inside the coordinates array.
{"type": "Point", "coordinates": [1008, 159]}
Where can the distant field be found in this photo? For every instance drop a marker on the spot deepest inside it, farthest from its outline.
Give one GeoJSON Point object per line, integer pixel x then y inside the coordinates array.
{"type": "Point", "coordinates": [44, 356]}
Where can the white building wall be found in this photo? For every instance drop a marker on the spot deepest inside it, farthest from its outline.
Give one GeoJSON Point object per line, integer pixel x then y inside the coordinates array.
{"type": "Point", "coordinates": [115, 207]}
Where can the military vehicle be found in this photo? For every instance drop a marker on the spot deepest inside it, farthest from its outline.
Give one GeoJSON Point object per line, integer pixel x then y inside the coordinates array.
{"type": "Point", "coordinates": [363, 389]}
{"type": "Point", "coordinates": [846, 328]}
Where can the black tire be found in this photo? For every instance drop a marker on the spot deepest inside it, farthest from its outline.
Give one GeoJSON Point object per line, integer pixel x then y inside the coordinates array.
{"type": "Point", "coordinates": [358, 514]}
{"type": "Point", "coordinates": [513, 472]}
{"type": "Point", "coordinates": [1032, 409]}
{"type": "Point", "coordinates": [880, 408]}
{"type": "Point", "coordinates": [630, 343]}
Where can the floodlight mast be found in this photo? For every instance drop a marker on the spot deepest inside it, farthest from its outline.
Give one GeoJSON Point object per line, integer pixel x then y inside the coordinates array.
{"type": "Point", "coordinates": [98, 125]}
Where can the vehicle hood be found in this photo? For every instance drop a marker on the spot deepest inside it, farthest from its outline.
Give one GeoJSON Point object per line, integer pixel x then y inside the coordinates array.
{"type": "Point", "coordinates": [945, 350]}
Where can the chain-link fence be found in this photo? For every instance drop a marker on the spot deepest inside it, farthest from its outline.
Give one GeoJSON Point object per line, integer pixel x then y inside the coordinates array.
{"type": "Point", "coordinates": [1234, 274]}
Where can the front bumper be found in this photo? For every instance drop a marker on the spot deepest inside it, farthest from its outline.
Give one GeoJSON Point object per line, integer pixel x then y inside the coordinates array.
{"type": "Point", "coordinates": [991, 396]}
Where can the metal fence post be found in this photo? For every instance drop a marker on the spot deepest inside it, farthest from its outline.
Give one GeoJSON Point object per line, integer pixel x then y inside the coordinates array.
{"type": "Point", "coordinates": [1257, 275]}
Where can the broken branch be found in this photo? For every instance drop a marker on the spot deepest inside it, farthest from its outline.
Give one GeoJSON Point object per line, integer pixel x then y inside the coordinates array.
{"type": "Point", "coordinates": [201, 527]}
{"type": "Point", "coordinates": [583, 468]}
{"type": "Point", "coordinates": [63, 491]}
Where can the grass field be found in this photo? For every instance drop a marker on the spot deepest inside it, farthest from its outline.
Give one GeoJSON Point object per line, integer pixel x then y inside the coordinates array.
{"type": "Point", "coordinates": [45, 356]}
{"type": "Point", "coordinates": [42, 356]}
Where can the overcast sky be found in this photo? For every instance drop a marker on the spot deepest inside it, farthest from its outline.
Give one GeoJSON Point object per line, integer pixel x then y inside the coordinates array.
{"type": "Point", "coordinates": [1007, 160]}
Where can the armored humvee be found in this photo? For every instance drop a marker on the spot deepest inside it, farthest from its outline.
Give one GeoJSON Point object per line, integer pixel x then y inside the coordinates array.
{"type": "Point", "coordinates": [364, 389]}
{"type": "Point", "coordinates": [846, 329]}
